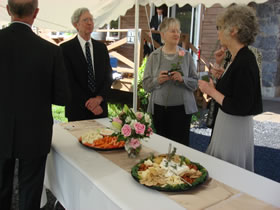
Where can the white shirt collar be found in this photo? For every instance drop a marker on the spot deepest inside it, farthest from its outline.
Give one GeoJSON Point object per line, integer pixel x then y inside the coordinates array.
{"type": "Point", "coordinates": [83, 43]}
{"type": "Point", "coordinates": [22, 23]}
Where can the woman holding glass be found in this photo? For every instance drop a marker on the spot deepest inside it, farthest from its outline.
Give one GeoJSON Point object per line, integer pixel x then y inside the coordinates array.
{"type": "Point", "coordinates": [238, 91]}
{"type": "Point", "coordinates": [170, 76]}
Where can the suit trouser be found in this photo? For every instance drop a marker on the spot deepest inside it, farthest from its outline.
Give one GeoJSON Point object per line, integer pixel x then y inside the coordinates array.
{"type": "Point", "coordinates": [31, 174]}
{"type": "Point", "coordinates": [172, 122]}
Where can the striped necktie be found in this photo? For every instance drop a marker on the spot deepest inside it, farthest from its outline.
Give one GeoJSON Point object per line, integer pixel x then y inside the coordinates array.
{"type": "Point", "coordinates": [91, 75]}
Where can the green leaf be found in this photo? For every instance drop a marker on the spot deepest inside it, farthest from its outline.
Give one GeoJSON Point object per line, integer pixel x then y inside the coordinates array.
{"type": "Point", "coordinates": [126, 109]}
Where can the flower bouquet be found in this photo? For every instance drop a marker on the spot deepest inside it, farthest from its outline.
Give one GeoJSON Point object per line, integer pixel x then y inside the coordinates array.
{"type": "Point", "coordinates": [132, 127]}
{"type": "Point", "coordinates": [177, 66]}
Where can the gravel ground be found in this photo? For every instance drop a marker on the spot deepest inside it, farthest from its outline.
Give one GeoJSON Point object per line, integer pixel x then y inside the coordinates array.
{"type": "Point", "coordinates": [266, 133]}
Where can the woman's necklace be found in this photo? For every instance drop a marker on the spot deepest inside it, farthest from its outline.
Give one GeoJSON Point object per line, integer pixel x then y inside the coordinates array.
{"type": "Point", "coordinates": [170, 56]}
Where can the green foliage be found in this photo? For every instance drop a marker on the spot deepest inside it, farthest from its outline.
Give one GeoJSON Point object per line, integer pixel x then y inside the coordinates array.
{"type": "Point", "coordinates": [141, 71]}
{"type": "Point", "coordinates": [195, 117]}
{"type": "Point", "coordinates": [114, 110]}
{"type": "Point", "coordinates": [59, 113]}
{"type": "Point", "coordinates": [143, 96]}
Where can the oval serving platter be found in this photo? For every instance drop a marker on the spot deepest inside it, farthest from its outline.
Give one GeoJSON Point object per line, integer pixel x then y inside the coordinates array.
{"type": "Point", "coordinates": [172, 188]}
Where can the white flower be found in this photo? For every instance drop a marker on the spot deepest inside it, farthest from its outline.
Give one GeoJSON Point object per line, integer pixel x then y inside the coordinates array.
{"type": "Point", "coordinates": [148, 119]}
{"type": "Point", "coordinates": [128, 119]}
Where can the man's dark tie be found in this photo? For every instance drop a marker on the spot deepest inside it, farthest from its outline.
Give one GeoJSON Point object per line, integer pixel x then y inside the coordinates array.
{"type": "Point", "coordinates": [91, 76]}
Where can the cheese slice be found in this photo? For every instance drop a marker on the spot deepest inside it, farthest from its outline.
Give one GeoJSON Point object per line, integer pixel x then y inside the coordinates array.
{"type": "Point", "coordinates": [173, 167]}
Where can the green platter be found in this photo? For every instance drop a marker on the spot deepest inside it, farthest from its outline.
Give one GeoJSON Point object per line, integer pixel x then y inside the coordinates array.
{"type": "Point", "coordinates": [169, 188]}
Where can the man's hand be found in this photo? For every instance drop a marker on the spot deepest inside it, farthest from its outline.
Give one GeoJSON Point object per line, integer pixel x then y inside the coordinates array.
{"type": "Point", "coordinates": [92, 103]}
{"type": "Point", "coordinates": [97, 111]}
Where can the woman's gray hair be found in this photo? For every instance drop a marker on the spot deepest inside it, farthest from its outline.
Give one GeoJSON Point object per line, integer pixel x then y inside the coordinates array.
{"type": "Point", "coordinates": [244, 19]}
{"type": "Point", "coordinates": [168, 22]}
{"type": "Point", "coordinates": [77, 14]}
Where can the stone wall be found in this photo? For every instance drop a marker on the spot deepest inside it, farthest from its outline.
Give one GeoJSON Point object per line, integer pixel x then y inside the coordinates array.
{"type": "Point", "coordinates": [268, 42]}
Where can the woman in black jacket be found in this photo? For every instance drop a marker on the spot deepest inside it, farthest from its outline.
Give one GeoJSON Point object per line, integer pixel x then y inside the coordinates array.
{"type": "Point", "coordinates": [238, 92]}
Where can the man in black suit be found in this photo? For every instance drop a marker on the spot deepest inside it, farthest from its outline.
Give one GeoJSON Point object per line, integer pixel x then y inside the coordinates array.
{"type": "Point", "coordinates": [32, 79]}
{"type": "Point", "coordinates": [155, 22]}
{"type": "Point", "coordinates": [89, 70]}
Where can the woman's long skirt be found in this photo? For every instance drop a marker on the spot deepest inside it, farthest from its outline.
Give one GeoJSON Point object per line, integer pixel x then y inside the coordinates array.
{"type": "Point", "coordinates": [233, 140]}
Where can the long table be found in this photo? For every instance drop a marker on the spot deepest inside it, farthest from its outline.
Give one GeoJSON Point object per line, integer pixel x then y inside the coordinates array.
{"type": "Point", "coordinates": [81, 178]}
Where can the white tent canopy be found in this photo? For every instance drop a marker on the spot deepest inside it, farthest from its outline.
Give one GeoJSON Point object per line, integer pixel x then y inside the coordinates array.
{"type": "Point", "coordinates": [56, 14]}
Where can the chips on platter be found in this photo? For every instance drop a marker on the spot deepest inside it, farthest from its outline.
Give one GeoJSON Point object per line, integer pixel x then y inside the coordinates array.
{"type": "Point", "coordinates": [165, 174]}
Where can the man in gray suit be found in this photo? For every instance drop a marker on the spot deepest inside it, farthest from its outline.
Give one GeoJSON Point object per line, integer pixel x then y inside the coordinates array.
{"type": "Point", "coordinates": [32, 79]}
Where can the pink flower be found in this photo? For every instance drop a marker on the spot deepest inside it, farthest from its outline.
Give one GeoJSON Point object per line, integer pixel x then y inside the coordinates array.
{"type": "Point", "coordinates": [139, 115]}
{"type": "Point", "coordinates": [139, 128]}
{"type": "Point", "coordinates": [134, 143]}
{"type": "Point", "coordinates": [181, 53]}
{"type": "Point", "coordinates": [126, 130]}
{"type": "Point", "coordinates": [116, 119]}
{"type": "Point", "coordinates": [149, 131]}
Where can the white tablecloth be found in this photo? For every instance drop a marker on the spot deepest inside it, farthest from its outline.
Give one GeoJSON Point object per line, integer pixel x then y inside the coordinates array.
{"type": "Point", "coordinates": [82, 179]}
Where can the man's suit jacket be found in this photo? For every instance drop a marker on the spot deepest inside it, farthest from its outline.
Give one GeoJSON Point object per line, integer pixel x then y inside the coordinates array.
{"type": "Point", "coordinates": [155, 24]}
{"type": "Point", "coordinates": [76, 66]}
{"type": "Point", "coordinates": [32, 78]}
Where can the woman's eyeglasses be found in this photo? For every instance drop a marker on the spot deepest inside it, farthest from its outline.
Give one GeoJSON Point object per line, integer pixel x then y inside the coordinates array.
{"type": "Point", "coordinates": [174, 31]}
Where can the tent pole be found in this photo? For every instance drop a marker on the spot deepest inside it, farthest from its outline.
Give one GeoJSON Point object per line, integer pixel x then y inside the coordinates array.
{"type": "Point", "coordinates": [136, 59]}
